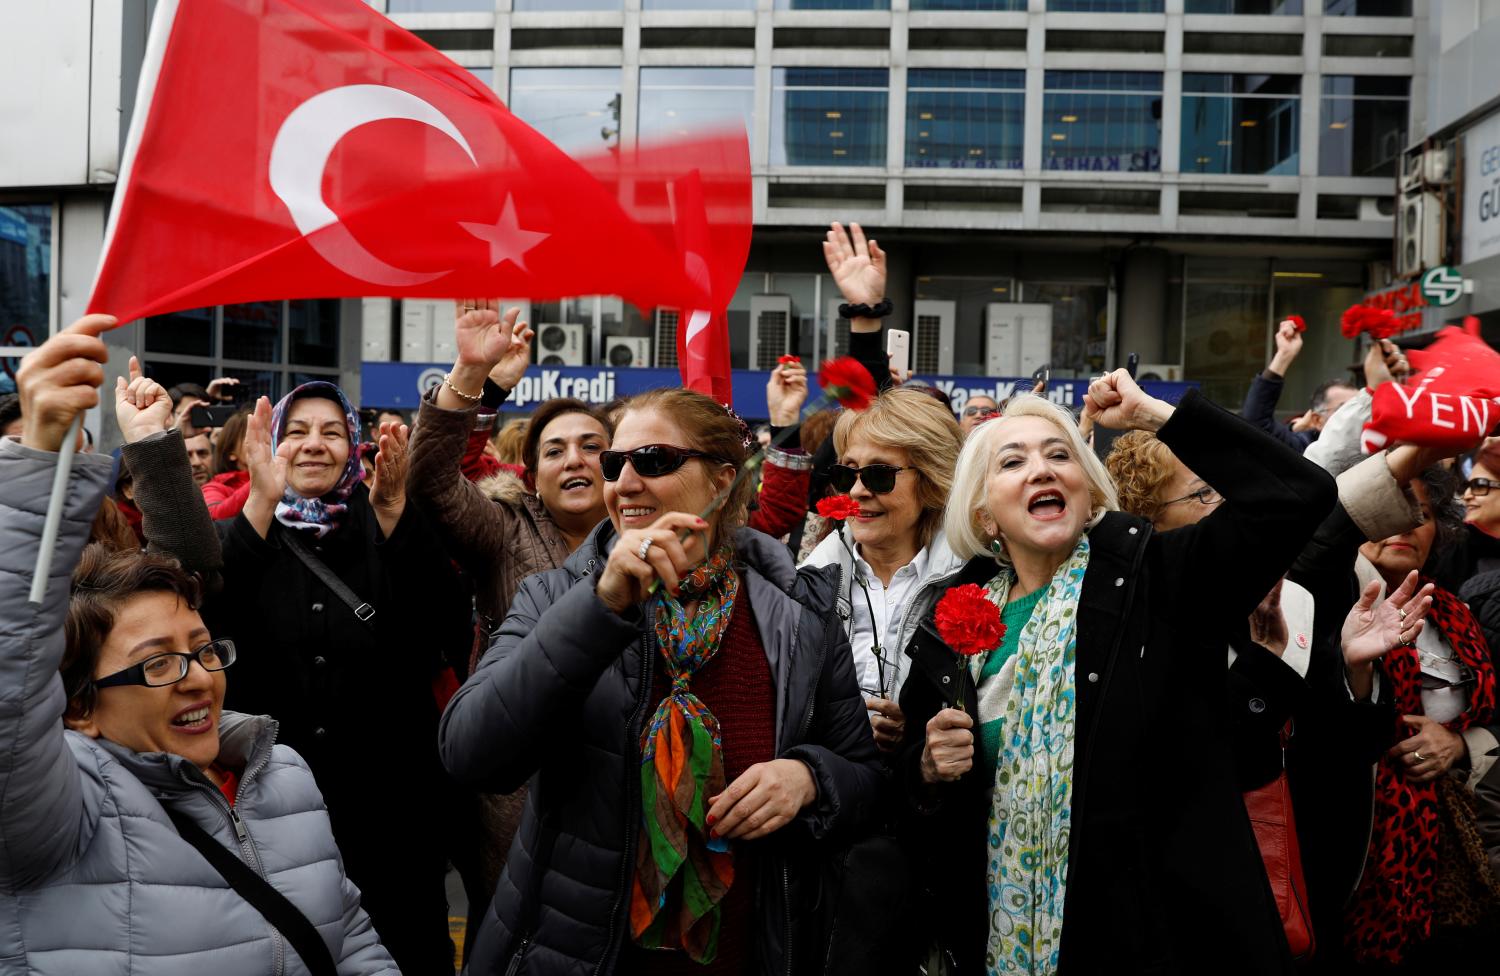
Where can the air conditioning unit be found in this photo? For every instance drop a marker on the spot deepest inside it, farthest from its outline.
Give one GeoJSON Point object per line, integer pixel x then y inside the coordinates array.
{"type": "Point", "coordinates": [770, 330]}
{"type": "Point", "coordinates": [427, 330]}
{"type": "Point", "coordinates": [666, 336]}
{"type": "Point", "coordinates": [626, 351]}
{"type": "Point", "coordinates": [836, 336]}
{"type": "Point", "coordinates": [559, 344]}
{"type": "Point", "coordinates": [1419, 234]}
{"type": "Point", "coordinates": [1427, 167]}
{"type": "Point", "coordinates": [375, 330]}
{"type": "Point", "coordinates": [1159, 372]}
{"type": "Point", "coordinates": [932, 325]}
{"type": "Point", "coordinates": [1019, 338]}
{"type": "Point", "coordinates": [1376, 208]}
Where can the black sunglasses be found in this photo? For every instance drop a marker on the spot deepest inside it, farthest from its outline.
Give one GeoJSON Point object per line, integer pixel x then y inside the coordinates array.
{"type": "Point", "coordinates": [651, 460]}
{"type": "Point", "coordinates": [172, 667]}
{"type": "Point", "coordinates": [1480, 486]}
{"type": "Point", "coordinates": [877, 478]}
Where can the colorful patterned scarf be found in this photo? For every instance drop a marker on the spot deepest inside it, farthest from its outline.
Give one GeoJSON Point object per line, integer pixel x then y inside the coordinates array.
{"type": "Point", "coordinates": [1031, 808]}
{"type": "Point", "coordinates": [682, 873]}
{"type": "Point", "coordinates": [1393, 907]}
{"type": "Point", "coordinates": [321, 515]}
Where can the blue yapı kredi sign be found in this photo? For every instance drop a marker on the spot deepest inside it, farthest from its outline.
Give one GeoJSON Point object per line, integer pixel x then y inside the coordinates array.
{"type": "Point", "coordinates": [401, 385]}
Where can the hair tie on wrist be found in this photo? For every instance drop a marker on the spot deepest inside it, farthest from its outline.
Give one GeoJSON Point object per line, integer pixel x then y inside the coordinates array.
{"type": "Point", "coordinates": [877, 311]}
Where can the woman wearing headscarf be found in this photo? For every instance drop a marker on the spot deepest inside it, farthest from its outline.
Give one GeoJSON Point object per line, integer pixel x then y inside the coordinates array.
{"type": "Point", "coordinates": [340, 600]}
{"type": "Point", "coordinates": [1081, 814]}
{"type": "Point", "coordinates": [683, 703]}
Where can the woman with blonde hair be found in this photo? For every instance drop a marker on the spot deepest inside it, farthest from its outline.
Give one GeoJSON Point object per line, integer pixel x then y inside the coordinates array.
{"type": "Point", "coordinates": [896, 461]}
{"type": "Point", "coordinates": [1079, 812]}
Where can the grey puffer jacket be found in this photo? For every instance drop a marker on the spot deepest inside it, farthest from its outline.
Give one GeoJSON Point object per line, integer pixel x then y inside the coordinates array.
{"type": "Point", "coordinates": [94, 879]}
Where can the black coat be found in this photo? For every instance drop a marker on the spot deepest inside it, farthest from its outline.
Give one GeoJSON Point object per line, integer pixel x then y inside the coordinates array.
{"type": "Point", "coordinates": [559, 701]}
{"type": "Point", "coordinates": [1164, 875]}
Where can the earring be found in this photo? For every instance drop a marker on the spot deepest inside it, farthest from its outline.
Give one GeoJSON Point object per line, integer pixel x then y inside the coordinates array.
{"type": "Point", "coordinates": [995, 547]}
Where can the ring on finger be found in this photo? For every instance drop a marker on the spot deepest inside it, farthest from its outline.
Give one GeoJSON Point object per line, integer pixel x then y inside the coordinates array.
{"type": "Point", "coordinates": [1402, 612]}
{"type": "Point", "coordinates": [646, 545]}
{"type": "Point", "coordinates": [1419, 757]}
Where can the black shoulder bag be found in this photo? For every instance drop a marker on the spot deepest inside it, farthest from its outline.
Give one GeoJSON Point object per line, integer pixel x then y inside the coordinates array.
{"type": "Point", "coordinates": [282, 914]}
{"type": "Point", "coordinates": [340, 589]}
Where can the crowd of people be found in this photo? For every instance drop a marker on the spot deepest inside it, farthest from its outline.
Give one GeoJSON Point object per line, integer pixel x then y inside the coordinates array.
{"type": "Point", "coordinates": [883, 688]}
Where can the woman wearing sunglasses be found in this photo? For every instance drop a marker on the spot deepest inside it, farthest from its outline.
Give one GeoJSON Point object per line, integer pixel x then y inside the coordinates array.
{"type": "Point", "coordinates": [1477, 559]}
{"type": "Point", "coordinates": [896, 461]}
{"type": "Point", "coordinates": [117, 747]}
{"type": "Point", "coordinates": [683, 703]}
{"type": "Point", "coordinates": [1079, 813]}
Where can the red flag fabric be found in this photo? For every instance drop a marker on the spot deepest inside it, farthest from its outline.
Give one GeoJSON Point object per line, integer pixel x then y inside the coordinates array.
{"type": "Point", "coordinates": [1452, 399]}
{"type": "Point", "coordinates": [312, 148]}
{"type": "Point", "coordinates": [703, 338]}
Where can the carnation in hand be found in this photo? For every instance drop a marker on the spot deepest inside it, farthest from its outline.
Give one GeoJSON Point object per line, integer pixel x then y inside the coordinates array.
{"type": "Point", "coordinates": [838, 507]}
{"type": "Point", "coordinates": [848, 382]}
{"type": "Point", "coordinates": [1381, 323]}
{"type": "Point", "coordinates": [1297, 322]}
{"type": "Point", "coordinates": [968, 621]}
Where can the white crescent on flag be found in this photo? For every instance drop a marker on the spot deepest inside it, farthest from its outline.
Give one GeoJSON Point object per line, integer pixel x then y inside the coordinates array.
{"type": "Point", "coordinates": [299, 155]}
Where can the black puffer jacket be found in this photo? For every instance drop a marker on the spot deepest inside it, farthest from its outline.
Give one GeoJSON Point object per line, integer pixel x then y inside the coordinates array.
{"type": "Point", "coordinates": [1164, 876]}
{"type": "Point", "coordinates": [559, 701]}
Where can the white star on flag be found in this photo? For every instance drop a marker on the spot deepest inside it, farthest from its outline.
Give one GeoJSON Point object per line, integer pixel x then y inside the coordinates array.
{"type": "Point", "coordinates": [507, 241]}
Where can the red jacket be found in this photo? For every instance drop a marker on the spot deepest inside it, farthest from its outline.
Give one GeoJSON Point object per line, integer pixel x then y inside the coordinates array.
{"type": "Point", "coordinates": [226, 494]}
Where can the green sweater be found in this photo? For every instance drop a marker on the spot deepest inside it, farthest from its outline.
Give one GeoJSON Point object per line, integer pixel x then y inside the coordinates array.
{"type": "Point", "coordinates": [1015, 616]}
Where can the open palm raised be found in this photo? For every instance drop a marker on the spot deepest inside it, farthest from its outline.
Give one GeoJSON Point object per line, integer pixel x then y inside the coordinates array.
{"type": "Point", "coordinates": [857, 265]}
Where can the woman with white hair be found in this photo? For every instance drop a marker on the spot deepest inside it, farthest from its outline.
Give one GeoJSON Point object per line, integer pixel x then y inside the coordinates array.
{"type": "Point", "coordinates": [1079, 811]}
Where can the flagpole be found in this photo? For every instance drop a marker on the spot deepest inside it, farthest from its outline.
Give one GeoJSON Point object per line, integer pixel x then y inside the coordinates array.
{"type": "Point", "coordinates": [53, 524]}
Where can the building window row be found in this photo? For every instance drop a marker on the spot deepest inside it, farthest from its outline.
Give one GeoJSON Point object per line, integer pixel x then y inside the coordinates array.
{"type": "Point", "coordinates": [969, 118]}
{"type": "Point", "coordinates": [1332, 8]}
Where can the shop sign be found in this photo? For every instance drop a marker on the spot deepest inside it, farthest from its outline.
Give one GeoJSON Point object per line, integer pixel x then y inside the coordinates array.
{"type": "Point", "coordinates": [1442, 286]}
{"type": "Point", "coordinates": [1481, 208]}
{"type": "Point", "coordinates": [1407, 302]}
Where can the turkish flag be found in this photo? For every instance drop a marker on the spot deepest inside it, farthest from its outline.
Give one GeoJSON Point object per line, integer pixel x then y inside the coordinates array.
{"type": "Point", "coordinates": [1452, 400]}
{"type": "Point", "coordinates": [703, 339]}
{"type": "Point", "coordinates": [313, 149]}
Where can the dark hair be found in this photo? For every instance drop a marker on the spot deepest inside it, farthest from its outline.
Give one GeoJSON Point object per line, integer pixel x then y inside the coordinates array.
{"type": "Point", "coordinates": [230, 442]}
{"type": "Point", "coordinates": [1447, 511]}
{"type": "Point", "coordinates": [711, 428]}
{"type": "Point", "coordinates": [1319, 400]}
{"type": "Point", "coordinates": [186, 390]}
{"type": "Point", "coordinates": [405, 419]}
{"type": "Point", "coordinates": [104, 580]}
{"type": "Point", "coordinates": [10, 409]}
{"type": "Point", "coordinates": [549, 411]}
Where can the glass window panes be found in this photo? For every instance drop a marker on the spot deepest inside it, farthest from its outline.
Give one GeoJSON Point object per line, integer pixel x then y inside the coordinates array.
{"type": "Point", "coordinates": [1280, 7]}
{"type": "Point", "coordinates": [485, 75]}
{"type": "Point", "coordinates": [698, 5]}
{"type": "Point", "coordinates": [1363, 126]}
{"type": "Point", "coordinates": [313, 331]}
{"type": "Point", "coordinates": [189, 333]}
{"type": "Point", "coordinates": [253, 331]}
{"type": "Point", "coordinates": [1367, 8]}
{"type": "Point", "coordinates": [968, 4]}
{"type": "Point", "coordinates": [828, 116]}
{"type": "Point", "coordinates": [1108, 6]}
{"type": "Point", "coordinates": [1240, 124]}
{"type": "Point", "coordinates": [1104, 121]}
{"type": "Point", "coordinates": [1224, 330]}
{"type": "Point", "coordinates": [25, 279]}
{"type": "Point", "coordinates": [965, 119]}
{"type": "Point", "coordinates": [439, 6]}
{"type": "Point", "coordinates": [577, 108]}
{"type": "Point", "coordinates": [678, 102]}
{"type": "Point", "coordinates": [833, 4]}
{"type": "Point", "coordinates": [567, 5]}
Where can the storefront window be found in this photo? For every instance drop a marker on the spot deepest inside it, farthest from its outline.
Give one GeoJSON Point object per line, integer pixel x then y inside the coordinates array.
{"type": "Point", "coordinates": [1240, 124]}
{"type": "Point", "coordinates": [314, 331]}
{"type": "Point", "coordinates": [187, 333]}
{"type": "Point", "coordinates": [25, 281]}
{"type": "Point", "coordinates": [1363, 125]}
{"type": "Point", "coordinates": [253, 331]}
{"type": "Point", "coordinates": [1226, 305]}
{"type": "Point", "coordinates": [578, 109]}
{"type": "Point", "coordinates": [677, 102]}
{"type": "Point", "coordinates": [1103, 121]}
{"type": "Point", "coordinates": [828, 116]}
{"type": "Point", "coordinates": [965, 119]}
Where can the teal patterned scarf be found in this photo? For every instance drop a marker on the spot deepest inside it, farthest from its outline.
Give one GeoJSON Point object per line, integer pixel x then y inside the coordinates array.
{"type": "Point", "coordinates": [1031, 807]}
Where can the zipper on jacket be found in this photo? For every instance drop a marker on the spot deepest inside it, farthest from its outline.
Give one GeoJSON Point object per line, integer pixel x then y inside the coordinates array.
{"type": "Point", "coordinates": [632, 785]}
{"type": "Point", "coordinates": [786, 879]}
{"type": "Point", "coordinates": [518, 958]}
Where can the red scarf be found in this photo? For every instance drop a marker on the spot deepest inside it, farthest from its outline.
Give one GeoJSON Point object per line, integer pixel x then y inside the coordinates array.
{"type": "Point", "coordinates": [1392, 908]}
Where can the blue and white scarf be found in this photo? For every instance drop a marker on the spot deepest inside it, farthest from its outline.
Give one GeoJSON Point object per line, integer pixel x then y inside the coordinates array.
{"type": "Point", "coordinates": [319, 515]}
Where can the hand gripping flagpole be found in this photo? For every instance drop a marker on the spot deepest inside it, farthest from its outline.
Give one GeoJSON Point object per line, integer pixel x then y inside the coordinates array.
{"type": "Point", "coordinates": [53, 524]}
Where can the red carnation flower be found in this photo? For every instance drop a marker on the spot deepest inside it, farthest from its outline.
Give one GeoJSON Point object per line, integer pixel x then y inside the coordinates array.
{"type": "Point", "coordinates": [838, 507]}
{"type": "Point", "coordinates": [848, 382]}
{"type": "Point", "coordinates": [1297, 322]}
{"type": "Point", "coordinates": [783, 360]}
{"type": "Point", "coordinates": [1380, 323]}
{"type": "Point", "coordinates": [968, 621]}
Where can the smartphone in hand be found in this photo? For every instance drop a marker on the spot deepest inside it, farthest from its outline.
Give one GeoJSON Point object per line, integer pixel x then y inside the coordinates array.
{"type": "Point", "coordinates": [898, 347]}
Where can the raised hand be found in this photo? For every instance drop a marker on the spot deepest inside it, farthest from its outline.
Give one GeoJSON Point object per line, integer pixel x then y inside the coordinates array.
{"type": "Point", "coordinates": [1115, 401]}
{"type": "Point", "coordinates": [142, 406]}
{"type": "Point", "coordinates": [786, 391]}
{"type": "Point", "coordinates": [1288, 345]}
{"type": "Point", "coordinates": [633, 566]}
{"type": "Point", "coordinates": [512, 366]}
{"type": "Point", "coordinates": [60, 379]}
{"type": "Point", "coordinates": [267, 468]}
{"type": "Point", "coordinates": [1371, 630]}
{"type": "Point", "coordinates": [478, 332]}
{"type": "Point", "coordinates": [857, 265]}
{"type": "Point", "coordinates": [222, 388]}
{"type": "Point", "coordinates": [388, 487]}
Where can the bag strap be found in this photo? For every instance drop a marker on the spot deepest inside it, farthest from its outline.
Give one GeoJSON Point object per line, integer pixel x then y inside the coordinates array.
{"type": "Point", "coordinates": [361, 609]}
{"type": "Point", "coordinates": [281, 913]}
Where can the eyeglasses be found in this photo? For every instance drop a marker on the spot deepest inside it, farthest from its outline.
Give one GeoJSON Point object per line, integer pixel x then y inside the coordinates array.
{"type": "Point", "coordinates": [1205, 496]}
{"type": "Point", "coordinates": [877, 478]}
{"type": "Point", "coordinates": [650, 460]}
{"type": "Point", "coordinates": [981, 411]}
{"type": "Point", "coordinates": [1480, 486]}
{"type": "Point", "coordinates": [168, 669]}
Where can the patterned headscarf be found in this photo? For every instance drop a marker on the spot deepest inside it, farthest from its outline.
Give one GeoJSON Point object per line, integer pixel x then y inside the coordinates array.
{"type": "Point", "coordinates": [318, 515]}
{"type": "Point", "coordinates": [682, 873]}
